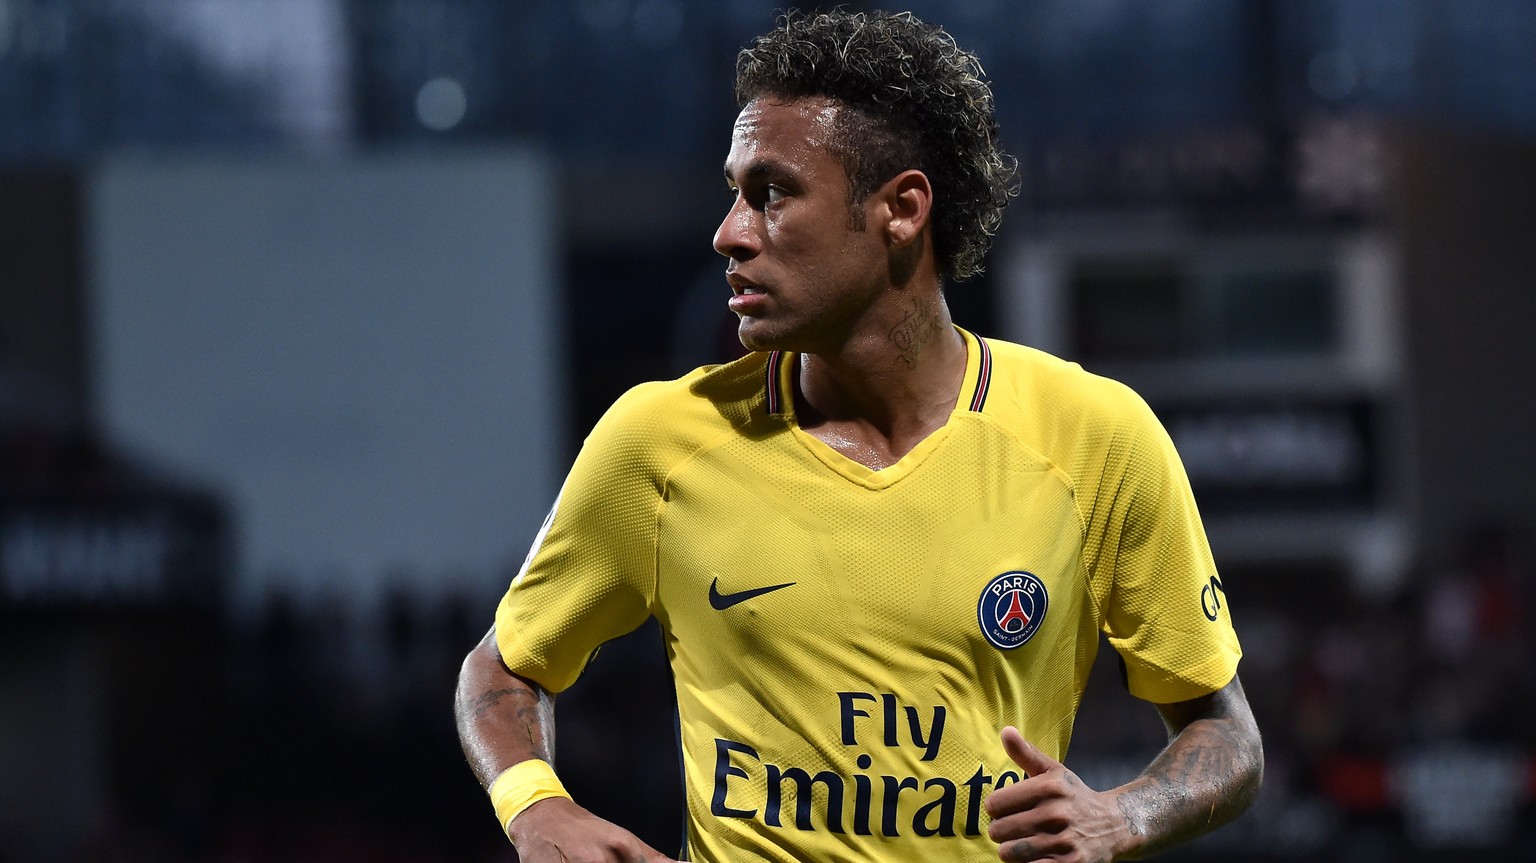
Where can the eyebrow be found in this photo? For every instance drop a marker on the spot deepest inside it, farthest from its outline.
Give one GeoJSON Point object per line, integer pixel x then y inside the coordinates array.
{"type": "Point", "coordinates": [758, 170]}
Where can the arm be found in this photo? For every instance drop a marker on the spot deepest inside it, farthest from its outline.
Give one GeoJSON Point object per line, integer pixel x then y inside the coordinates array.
{"type": "Point", "coordinates": [504, 719]}
{"type": "Point", "coordinates": [1208, 774]}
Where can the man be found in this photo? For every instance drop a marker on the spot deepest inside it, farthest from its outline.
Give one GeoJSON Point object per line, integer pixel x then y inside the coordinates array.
{"type": "Point", "coordinates": [881, 549]}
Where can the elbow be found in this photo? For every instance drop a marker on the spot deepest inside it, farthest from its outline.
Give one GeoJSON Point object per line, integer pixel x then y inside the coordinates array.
{"type": "Point", "coordinates": [1250, 775]}
{"type": "Point", "coordinates": [467, 674]}
{"type": "Point", "coordinates": [1257, 773]}
{"type": "Point", "coordinates": [482, 661]}
{"type": "Point", "coordinates": [1245, 746]}
{"type": "Point", "coordinates": [463, 692]}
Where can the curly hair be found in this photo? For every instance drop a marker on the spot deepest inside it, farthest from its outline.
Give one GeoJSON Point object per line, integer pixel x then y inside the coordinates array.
{"type": "Point", "coordinates": [910, 98]}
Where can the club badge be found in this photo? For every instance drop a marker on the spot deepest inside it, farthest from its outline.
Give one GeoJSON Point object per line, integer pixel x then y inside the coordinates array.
{"type": "Point", "coordinates": [1011, 609]}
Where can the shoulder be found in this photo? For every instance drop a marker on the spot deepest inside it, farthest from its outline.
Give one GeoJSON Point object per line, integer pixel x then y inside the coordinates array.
{"type": "Point", "coordinates": [1093, 428]}
{"type": "Point", "coordinates": [687, 411]}
{"type": "Point", "coordinates": [1034, 389]}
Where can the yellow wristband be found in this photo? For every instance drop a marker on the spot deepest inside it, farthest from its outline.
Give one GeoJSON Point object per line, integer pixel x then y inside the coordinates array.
{"type": "Point", "coordinates": [522, 785]}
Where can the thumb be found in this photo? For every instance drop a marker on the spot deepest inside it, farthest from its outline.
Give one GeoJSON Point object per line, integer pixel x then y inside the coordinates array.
{"type": "Point", "coordinates": [1025, 754]}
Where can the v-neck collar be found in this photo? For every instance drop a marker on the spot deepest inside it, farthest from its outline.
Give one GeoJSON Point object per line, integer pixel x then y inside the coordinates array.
{"type": "Point", "coordinates": [779, 401]}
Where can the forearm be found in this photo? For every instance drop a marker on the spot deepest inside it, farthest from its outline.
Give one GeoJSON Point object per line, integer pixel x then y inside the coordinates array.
{"type": "Point", "coordinates": [502, 718]}
{"type": "Point", "coordinates": [505, 719]}
{"type": "Point", "coordinates": [1208, 774]}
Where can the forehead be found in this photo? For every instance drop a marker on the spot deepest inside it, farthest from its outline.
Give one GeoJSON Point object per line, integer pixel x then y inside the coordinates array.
{"type": "Point", "coordinates": [797, 130]}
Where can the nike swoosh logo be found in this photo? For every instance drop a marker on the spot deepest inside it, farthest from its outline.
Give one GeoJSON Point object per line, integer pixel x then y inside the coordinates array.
{"type": "Point", "coordinates": [721, 601]}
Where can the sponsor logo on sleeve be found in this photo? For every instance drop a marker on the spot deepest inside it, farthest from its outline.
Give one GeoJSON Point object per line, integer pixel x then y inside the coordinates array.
{"type": "Point", "coordinates": [1210, 598]}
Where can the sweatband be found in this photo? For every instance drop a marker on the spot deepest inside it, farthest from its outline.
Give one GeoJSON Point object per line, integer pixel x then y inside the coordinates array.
{"type": "Point", "coordinates": [522, 785]}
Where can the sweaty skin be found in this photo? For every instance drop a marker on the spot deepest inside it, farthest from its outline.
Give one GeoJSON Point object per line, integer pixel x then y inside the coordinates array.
{"type": "Point", "coordinates": [856, 295]}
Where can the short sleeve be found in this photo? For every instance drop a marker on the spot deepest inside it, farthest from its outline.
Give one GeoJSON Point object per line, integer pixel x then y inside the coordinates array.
{"type": "Point", "coordinates": [590, 575]}
{"type": "Point", "coordinates": [1165, 608]}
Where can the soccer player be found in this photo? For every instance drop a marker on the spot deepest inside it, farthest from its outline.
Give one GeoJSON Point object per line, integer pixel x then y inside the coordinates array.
{"type": "Point", "coordinates": [881, 548]}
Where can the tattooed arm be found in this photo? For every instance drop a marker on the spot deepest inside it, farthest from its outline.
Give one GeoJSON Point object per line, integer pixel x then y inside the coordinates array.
{"type": "Point", "coordinates": [504, 719]}
{"type": "Point", "coordinates": [1208, 774]}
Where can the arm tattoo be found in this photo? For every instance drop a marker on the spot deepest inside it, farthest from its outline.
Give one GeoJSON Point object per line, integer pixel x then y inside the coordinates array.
{"type": "Point", "coordinates": [528, 715]}
{"type": "Point", "coordinates": [489, 700]}
{"type": "Point", "coordinates": [502, 719]}
{"type": "Point", "coordinates": [1209, 774]}
{"type": "Point", "coordinates": [1132, 817]}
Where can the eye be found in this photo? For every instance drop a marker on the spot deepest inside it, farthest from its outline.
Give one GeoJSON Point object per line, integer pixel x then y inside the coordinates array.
{"type": "Point", "coordinates": [758, 195]}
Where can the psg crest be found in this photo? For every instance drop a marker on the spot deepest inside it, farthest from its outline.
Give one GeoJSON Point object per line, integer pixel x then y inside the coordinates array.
{"type": "Point", "coordinates": [1012, 607]}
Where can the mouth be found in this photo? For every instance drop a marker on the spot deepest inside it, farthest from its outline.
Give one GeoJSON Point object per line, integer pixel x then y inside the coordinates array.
{"type": "Point", "coordinates": [747, 297]}
{"type": "Point", "coordinates": [741, 286]}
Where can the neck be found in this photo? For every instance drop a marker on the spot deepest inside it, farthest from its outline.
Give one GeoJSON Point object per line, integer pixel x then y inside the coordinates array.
{"type": "Point", "coordinates": [882, 392]}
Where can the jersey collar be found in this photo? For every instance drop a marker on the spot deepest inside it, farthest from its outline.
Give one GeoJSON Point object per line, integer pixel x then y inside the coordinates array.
{"type": "Point", "coordinates": [778, 385]}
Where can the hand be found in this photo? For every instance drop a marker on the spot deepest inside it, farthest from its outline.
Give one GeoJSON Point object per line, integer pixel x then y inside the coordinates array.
{"type": "Point", "coordinates": [556, 830]}
{"type": "Point", "coordinates": [1051, 814]}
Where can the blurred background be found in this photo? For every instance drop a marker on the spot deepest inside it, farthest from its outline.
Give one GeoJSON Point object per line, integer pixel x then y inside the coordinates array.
{"type": "Point", "coordinates": [305, 305]}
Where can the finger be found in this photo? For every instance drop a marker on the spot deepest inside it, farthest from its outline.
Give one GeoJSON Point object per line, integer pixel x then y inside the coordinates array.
{"type": "Point", "coordinates": [1025, 754]}
{"type": "Point", "coordinates": [1022, 851]}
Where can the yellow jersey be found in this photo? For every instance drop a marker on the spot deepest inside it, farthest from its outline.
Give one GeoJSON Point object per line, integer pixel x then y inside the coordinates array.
{"type": "Point", "coordinates": [847, 643]}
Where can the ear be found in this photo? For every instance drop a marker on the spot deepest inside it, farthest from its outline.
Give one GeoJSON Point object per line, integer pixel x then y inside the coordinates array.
{"type": "Point", "coordinates": [909, 198]}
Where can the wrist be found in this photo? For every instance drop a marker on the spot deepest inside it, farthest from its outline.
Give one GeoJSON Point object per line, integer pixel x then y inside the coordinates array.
{"type": "Point", "coordinates": [522, 785]}
{"type": "Point", "coordinates": [1131, 840]}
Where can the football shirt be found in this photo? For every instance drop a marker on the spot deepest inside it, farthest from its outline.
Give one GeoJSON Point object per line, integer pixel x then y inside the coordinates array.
{"type": "Point", "coordinates": [845, 642]}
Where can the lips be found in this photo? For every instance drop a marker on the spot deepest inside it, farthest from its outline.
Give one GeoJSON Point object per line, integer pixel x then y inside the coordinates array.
{"type": "Point", "coordinates": [747, 297]}
{"type": "Point", "coordinates": [741, 285]}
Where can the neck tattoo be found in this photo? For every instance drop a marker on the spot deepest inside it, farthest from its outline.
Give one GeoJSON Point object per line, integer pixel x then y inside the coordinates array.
{"type": "Point", "coordinates": [917, 327]}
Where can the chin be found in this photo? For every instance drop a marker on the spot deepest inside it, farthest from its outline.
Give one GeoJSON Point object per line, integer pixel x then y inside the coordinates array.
{"type": "Point", "coordinates": [758, 334]}
{"type": "Point", "coordinates": [755, 336]}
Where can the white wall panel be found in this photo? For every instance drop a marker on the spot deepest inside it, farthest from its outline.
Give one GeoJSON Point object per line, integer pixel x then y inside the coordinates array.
{"type": "Point", "coordinates": [364, 356]}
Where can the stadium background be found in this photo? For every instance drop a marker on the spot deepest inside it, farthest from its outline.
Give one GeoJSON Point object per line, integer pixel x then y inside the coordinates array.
{"type": "Point", "coordinates": [305, 304]}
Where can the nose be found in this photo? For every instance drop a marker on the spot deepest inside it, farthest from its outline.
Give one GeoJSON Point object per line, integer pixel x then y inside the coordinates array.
{"type": "Point", "coordinates": [736, 238]}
